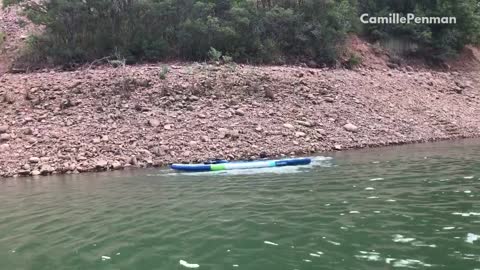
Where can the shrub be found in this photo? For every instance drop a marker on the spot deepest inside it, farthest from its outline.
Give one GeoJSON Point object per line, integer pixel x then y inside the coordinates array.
{"type": "Point", "coordinates": [437, 41]}
{"type": "Point", "coordinates": [353, 61]}
{"type": "Point", "coordinates": [163, 73]}
{"type": "Point", "coordinates": [214, 55]}
{"type": "Point", "coordinates": [152, 30]}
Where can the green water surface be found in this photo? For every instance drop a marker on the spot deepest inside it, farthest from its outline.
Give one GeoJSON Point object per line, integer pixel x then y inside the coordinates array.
{"type": "Point", "coordinates": [411, 207]}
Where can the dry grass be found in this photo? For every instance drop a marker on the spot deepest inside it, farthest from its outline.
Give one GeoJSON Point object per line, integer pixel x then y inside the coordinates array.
{"type": "Point", "coordinates": [2, 38]}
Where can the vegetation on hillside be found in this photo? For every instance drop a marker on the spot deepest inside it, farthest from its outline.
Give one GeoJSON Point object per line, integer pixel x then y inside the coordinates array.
{"type": "Point", "coordinates": [255, 31]}
{"type": "Point", "coordinates": [437, 40]}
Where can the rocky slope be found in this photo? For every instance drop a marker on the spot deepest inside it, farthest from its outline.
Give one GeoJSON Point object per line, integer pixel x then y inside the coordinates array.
{"type": "Point", "coordinates": [111, 118]}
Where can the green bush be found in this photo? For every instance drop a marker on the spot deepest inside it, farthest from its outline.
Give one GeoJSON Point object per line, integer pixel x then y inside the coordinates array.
{"type": "Point", "coordinates": [152, 30]}
{"type": "Point", "coordinates": [214, 55]}
{"type": "Point", "coordinates": [274, 31]}
{"type": "Point", "coordinates": [437, 41]}
{"type": "Point", "coordinates": [163, 73]}
{"type": "Point", "coordinates": [353, 61]}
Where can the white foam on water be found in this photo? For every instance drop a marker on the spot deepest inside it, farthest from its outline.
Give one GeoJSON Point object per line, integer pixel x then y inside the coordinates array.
{"type": "Point", "coordinates": [391, 200]}
{"type": "Point", "coordinates": [369, 256]}
{"type": "Point", "coordinates": [389, 260]}
{"type": "Point", "coordinates": [235, 265]}
{"type": "Point", "coordinates": [398, 238]}
{"type": "Point", "coordinates": [377, 212]}
{"type": "Point", "coordinates": [375, 258]}
{"type": "Point", "coordinates": [319, 252]}
{"type": "Point", "coordinates": [270, 170]}
{"type": "Point", "coordinates": [368, 252]}
{"type": "Point", "coordinates": [375, 162]}
{"type": "Point", "coordinates": [188, 265]}
{"type": "Point", "coordinates": [471, 237]}
{"type": "Point", "coordinates": [409, 263]}
{"type": "Point", "coordinates": [104, 258]}
{"type": "Point", "coordinates": [327, 204]}
{"type": "Point", "coordinates": [466, 214]}
{"type": "Point", "coordinates": [334, 243]}
{"type": "Point", "coordinates": [354, 212]}
{"type": "Point", "coordinates": [315, 255]}
{"type": "Point", "coordinates": [467, 191]}
{"type": "Point", "coordinates": [377, 179]}
{"type": "Point", "coordinates": [469, 177]}
{"type": "Point", "coordinates": [228, 250]}
{"type": "Point", "coordinates": [448, 228]}
{"type": "Point", "coordinates": [470, 257]}
{"type": "Point", "coordinates": [421, 244]}
{"type": "Point", "coordinates": [307, 260]}
{"type": "Point", "coordinates": [118, 253]}
{"type": "Point", "coordinates": [369, 188]}
{"type": "Point", "coordinates": [320, 159]}
{"type": "Point", "coordinates": [372, 197]}
{"type": "Point", "coordinates": [270, 243]}
{"type": "Point", "coordinates": [13, 251]}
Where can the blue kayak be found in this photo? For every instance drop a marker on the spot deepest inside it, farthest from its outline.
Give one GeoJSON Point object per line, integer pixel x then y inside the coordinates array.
{"type": "Point", "coordinates": [238, 165]}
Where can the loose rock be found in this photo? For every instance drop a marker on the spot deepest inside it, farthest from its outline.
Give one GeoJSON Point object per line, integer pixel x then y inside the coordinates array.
{"type": "Point", "coordinates": [4, 147]}
{"type": "Point", "coordinates": [289, 126]}
{"type": "Point", "coordinates": [46, 169]}
{"type": "Point", "coordinates": [300, 134]}
{"type": "Point", "coordinates": [3, 129]}
{"type": "Point", "coordinates": [101, 164]}
{"type": "Point", "coordinates": [34, 160]}
{"type": "Point", "coordinates": [154, 122]}
{"type": "Point", "coordinates": [350, 127]}
{"type": "Point", "coordinates": [329, 99]}
{"type": "Point", "coordinates": [116, 165]}
{"type": "Point", "coordinates": [5, 137]}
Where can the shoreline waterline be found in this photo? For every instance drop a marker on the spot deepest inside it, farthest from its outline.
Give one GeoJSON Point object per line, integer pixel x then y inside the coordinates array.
{"type": "Point", "coordinates": [325, 156]}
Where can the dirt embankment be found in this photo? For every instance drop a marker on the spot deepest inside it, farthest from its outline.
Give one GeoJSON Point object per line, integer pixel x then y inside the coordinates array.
{"type": "Point", "coordinates": [112, 118]}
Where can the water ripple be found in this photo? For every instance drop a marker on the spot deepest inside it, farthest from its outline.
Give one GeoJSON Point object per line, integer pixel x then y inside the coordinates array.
{"type": "Point", "coordinates": [357, 211]}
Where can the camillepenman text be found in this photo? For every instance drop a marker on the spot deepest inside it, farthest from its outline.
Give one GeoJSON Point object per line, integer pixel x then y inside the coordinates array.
{"type": "Point", "coordinates": [409, 18]}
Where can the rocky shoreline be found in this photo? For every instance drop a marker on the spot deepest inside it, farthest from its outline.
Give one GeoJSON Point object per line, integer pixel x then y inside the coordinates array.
{"type": "Point", "coordinates": [112, 118]}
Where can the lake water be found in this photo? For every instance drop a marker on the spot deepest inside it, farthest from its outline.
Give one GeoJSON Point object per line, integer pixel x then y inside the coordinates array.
{"type": "Point", "coordinates": [404, 207]}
